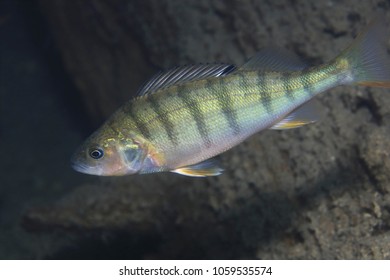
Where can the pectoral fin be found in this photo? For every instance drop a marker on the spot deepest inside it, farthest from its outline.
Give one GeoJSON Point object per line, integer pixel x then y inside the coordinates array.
{"type": "Point", "coordinates": [206, 168]}
{"type": "Point", "coordinates": [308, 113]}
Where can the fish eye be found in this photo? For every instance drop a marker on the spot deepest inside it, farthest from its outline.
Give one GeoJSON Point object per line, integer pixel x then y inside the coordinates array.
{"type": "Point", "coordinates": [96, 153]}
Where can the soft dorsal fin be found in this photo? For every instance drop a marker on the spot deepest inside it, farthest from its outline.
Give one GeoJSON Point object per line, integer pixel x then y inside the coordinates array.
{"type": "Point", "coordinates": [274, 60]}
{"type": "Point", "coordinates": [205, 168]}
{"type": "Point", "coordinates": [309, 112]}
{"type": "Point", "coordinates": [184, 74]}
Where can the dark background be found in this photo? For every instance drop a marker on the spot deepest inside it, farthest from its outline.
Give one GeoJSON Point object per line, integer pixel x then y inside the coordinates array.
{"type": "Point", "coordinates": [318, 192]}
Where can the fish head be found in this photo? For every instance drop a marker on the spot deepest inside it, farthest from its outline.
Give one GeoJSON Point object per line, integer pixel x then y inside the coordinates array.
{"type": "Point", "coordinates": [107, 153]}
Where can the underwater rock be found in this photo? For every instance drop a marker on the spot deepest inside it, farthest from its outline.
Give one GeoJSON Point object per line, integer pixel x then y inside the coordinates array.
{"type": "Point", "coordinates": [97, 208]}
{"type": "Point", "coordinates": [375, 151]}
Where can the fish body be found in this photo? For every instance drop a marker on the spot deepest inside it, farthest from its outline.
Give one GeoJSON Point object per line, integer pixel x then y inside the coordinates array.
{"type": "Point", "coordinates": [200, 119]}
{"type": "Point", "coordinates": [186, 116]}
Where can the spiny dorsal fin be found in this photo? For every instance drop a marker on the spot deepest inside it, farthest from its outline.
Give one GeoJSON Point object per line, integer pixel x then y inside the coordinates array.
{"type": "Point", "coordinates": [309, 112]}
{"type": "Point", "coordinates": [274, 60]}
{"type": "Point", "coordinates": [205, 168]}
{"type": "Point", "coordinates": [184, 74]}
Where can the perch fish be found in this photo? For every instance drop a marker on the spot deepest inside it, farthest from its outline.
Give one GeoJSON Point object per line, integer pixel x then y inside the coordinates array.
{"type": "Point", "coordinates": [183, 118]}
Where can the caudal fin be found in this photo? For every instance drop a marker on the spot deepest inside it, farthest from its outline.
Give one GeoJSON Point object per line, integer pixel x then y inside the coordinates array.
{"type": "Point", "coordinates": [367, 57]}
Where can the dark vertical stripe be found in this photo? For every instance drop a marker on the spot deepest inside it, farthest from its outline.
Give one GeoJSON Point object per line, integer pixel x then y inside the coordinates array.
{"type": "Point", "coordinates": [286, 82]}
{"type": "Point", "coordinates": [139, 123]}
{"type": "Point", "coordinates": [242, 81]}
{"type": "Point", "coordinates": [163, 118]}
{"type": "Point", "coordinates": [307, 87]}
{"type": "Point", "coordinates": [226, 104]}
{"type": "Point", "coordinates": [265, 97]}
{"type": "Point", "coordinates": [196, 113]}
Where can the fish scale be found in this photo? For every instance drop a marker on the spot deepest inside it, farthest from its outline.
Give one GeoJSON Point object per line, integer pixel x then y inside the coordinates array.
{"type": "Point", "coordinates": [200, 113]}
{"type": "Point", "coordinates": [186, 116]}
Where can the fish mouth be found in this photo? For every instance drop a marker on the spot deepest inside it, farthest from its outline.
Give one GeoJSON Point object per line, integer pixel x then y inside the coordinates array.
{"type": "Point", "coordinates": [81, 167]}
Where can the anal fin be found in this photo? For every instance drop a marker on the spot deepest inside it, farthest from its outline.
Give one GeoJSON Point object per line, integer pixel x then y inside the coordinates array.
{"type": "Point", "coordinates": [309, 112]}
{"type": "Point", "coordinates": [205, 168]}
